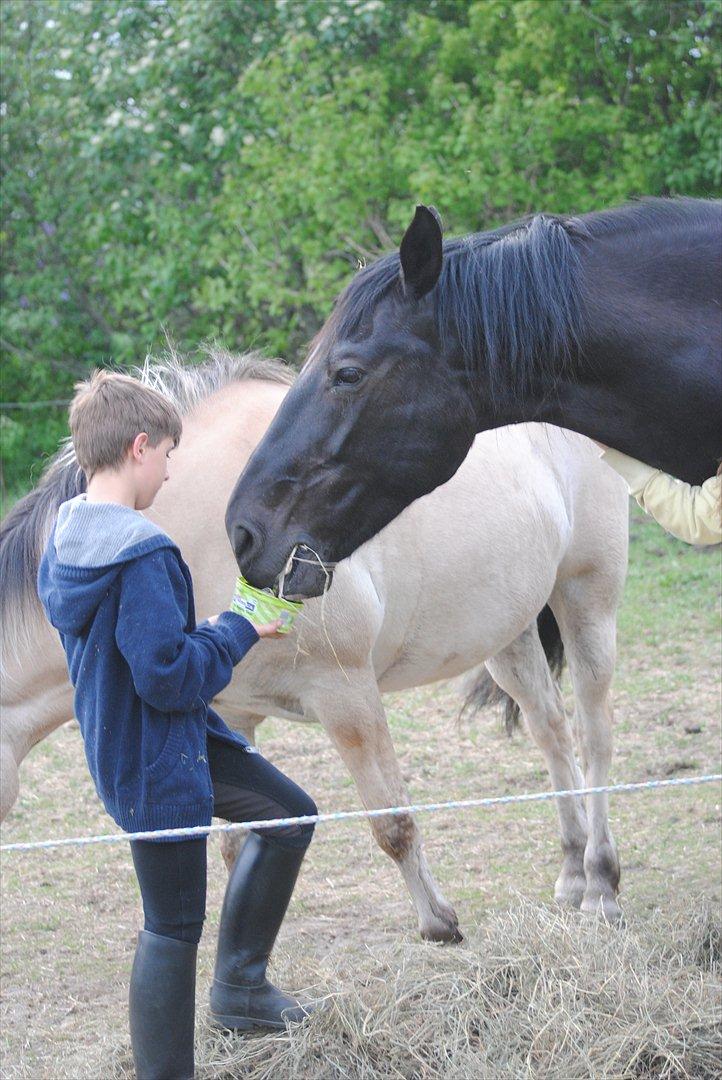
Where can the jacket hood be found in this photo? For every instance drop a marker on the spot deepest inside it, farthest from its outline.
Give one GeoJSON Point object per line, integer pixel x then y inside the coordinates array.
{"type": "Point", "coordinates": [89, 546]}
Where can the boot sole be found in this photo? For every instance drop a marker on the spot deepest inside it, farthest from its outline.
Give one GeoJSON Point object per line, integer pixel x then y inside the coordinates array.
{"type": "Point", "coordinates": [244, 1023]}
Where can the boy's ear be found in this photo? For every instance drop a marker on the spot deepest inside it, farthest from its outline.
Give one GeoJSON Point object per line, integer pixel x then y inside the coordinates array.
{"type": "Point", "coordinates": [139, 444]}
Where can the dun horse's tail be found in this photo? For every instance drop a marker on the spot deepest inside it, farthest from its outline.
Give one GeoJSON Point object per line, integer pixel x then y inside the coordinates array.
{"type": "Point", "coordinates": [485, 691]}
{"type": "Point", "coordinates": [23, 534]}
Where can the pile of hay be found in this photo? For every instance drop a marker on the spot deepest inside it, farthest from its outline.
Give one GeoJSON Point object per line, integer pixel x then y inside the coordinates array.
{"type": "Point", "coordinates": [534, 992]}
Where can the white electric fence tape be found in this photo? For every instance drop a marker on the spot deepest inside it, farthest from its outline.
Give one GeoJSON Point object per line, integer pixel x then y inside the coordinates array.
{"type": "Point", "coordinates": [349, 815]}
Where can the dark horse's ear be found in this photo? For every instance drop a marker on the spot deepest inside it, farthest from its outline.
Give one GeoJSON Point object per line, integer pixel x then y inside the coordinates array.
{"type": "Point", "coordinates": [421, 252]}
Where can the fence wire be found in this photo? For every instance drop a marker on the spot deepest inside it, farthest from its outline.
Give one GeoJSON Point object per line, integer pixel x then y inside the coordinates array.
{"type": "Point", "coordinates": [352, 815]}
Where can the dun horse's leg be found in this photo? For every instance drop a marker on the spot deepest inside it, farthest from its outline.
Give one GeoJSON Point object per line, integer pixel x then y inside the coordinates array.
{"type": "Point", "coordinates": [25, 721]}
{"type": "Point", "coordinates": [523, 672]}
{"type": "Point", "coordinates": [232, 842]}
{"type": "Point", "coordinates": [585, 609]}
{"type": "Point", "coordinates": [9, 778]}
{"type": "Point", "coordinates": [361, 736]}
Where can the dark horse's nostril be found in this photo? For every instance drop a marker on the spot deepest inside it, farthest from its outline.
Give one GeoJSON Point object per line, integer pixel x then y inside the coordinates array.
{"type": "Point", "coordinates": [242, 542]}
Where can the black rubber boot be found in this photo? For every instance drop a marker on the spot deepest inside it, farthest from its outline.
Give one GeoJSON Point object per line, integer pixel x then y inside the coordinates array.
{"type": "Point", "coordinates": [162, 1007]}
{"type": "Point", "coordinates": [258, 892]}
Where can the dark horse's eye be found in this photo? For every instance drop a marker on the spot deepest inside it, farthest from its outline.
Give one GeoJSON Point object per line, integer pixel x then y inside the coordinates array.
{"type": "Point", "coordinates": [347, 376]}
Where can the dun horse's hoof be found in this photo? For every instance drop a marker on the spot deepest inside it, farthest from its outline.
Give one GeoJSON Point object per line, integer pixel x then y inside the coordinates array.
{"type": "Point", "coordinates": [445, 931]}
{"type": "Point", "coordinates": [569, 891]}
{"type": "Point", "coordinates": [604, 907]}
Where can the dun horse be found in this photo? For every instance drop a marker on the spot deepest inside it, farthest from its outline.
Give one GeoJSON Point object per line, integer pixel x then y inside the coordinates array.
{"type": "Point", "coordinates": [608, 324]}
{"type": "Point", "coordinates": [532, 518]}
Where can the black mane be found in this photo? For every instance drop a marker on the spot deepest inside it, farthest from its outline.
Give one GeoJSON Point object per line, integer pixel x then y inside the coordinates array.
{"type": "Point", "coordinates": [513, 297]}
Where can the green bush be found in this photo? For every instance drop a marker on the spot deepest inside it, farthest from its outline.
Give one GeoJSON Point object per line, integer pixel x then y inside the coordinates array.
{"type": "Point", "coordinates": [218, 168]}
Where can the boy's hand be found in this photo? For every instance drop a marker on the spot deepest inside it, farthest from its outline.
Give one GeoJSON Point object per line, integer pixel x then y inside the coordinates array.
{"type": "Point", "coordinates": [267, 630]}
{"type": "Point", "coordinates": [270, 629]}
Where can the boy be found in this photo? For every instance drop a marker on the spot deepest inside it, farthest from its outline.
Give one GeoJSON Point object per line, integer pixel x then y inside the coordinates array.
{"type": "Point", "coordinates": [116, 588]}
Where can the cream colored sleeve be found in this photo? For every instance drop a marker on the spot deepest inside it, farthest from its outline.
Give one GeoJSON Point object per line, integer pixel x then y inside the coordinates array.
{"type": "Point", "coordinates": [690, 513]}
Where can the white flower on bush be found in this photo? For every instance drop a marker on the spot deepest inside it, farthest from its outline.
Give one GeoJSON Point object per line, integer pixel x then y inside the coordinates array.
{"type": "Point", "coordinates": [218, 136]}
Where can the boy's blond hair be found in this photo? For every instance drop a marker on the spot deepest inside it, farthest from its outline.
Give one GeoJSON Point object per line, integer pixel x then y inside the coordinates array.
{"type": "Point", "coordinates": [107, 413]}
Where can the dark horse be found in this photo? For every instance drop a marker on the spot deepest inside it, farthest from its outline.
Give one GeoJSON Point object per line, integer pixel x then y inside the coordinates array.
{"type": "Point", "coordinates": [609, 324]}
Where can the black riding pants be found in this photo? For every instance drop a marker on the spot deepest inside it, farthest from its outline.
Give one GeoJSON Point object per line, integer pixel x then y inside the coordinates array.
{"type": "Point", "coordinates": [172, 876]}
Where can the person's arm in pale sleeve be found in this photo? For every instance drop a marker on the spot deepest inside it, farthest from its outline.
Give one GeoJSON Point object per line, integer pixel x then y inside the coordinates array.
{"type": "Point", "coordinates": [690, 513]}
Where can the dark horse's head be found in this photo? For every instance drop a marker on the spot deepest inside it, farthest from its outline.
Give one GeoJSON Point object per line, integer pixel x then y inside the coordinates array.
{"type": "Point", "coordinates": [372, 422]}
{"type": "Point", "coordinates": [385, 408]}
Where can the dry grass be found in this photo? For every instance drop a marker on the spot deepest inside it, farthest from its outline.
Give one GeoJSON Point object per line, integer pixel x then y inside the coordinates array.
{"type": "Point", "coordinates": [533, 993]}
{"type": "Point", "coordinates": [529, 994]}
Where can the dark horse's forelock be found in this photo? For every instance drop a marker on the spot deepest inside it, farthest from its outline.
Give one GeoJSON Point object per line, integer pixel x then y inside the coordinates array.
{"type": "Point", "coordinates": [511, 298]}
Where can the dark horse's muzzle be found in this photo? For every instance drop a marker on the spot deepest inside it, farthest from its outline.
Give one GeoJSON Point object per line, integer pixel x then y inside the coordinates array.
{"type": "Point", "coordinates": [299, 571]}
{"type": "Point", "coordinates": [307, 574]}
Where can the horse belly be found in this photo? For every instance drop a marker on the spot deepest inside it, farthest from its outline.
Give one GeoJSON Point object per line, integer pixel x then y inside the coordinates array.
{"type": "Point", "coordinates": [410, 671]}
{"type": "Point", "coordinates": [448, 644]}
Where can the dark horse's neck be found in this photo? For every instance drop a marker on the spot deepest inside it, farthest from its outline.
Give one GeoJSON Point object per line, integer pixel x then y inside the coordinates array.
{"type": "Point", "coordinates": [646, 376]}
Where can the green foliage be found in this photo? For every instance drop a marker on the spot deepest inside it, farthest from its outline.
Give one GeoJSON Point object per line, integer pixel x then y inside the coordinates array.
{"type": "Point", "coordinates": [218, 167]}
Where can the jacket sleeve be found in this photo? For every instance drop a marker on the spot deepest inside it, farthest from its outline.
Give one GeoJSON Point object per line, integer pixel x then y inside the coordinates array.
{"type": "Point", "coordinates": [172, 669]}
{"type": "Point", "coordinates": [693, 514]}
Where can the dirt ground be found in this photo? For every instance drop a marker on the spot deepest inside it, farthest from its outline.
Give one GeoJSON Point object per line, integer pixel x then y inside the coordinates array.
{"type": "Point", "coordinates": [69, 917]}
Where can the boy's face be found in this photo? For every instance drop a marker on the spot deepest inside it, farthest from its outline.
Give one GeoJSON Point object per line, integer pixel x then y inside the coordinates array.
{"type": "Point", "coordinates": [152, 469]}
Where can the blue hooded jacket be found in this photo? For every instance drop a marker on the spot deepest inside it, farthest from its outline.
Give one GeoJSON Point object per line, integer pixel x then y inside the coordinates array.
{"type": "Point", "coordinates": [116, 588]}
